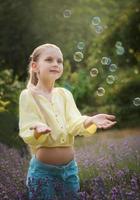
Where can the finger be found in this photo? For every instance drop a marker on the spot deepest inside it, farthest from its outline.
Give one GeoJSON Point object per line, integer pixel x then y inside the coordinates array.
{"type": "Point", "coordinates": [46, 130]}
{"type": "Point", "coordinates": [110, 117]}
{"type": "Point", "coordinates": [49, 132]}
{"type": "Point", "coordinates": [109, 124]}
{"type": "Point", "coordinates": [43, 130]}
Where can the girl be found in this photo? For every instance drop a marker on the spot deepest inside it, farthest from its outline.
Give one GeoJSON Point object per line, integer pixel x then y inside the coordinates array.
{"type": "Point", "coordinates": [53, 170]}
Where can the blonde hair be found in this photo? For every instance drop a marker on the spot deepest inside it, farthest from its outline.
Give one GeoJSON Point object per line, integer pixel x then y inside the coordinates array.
{"type": "Point", "coordinates": [33, 80]}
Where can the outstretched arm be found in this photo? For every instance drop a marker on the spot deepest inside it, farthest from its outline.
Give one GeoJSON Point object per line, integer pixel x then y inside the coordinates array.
{"type": "Point", "coordinates": [77, 123]}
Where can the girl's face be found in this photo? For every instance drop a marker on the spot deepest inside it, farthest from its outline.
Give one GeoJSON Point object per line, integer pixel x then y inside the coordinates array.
{"type": "Point", "coordinates": [49, 64]}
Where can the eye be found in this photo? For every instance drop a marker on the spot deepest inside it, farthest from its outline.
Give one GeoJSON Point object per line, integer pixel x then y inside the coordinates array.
{"type": "Point", "coordinates": [60, 61]}
{"type": "Point", "coordinates": [48, 59]}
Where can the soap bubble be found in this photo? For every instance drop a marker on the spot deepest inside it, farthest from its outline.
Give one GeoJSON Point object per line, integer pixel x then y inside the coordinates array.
{"type": "Point", "coordinates": [131, 50]}
{"type": "Point", "coordinates": [110, 79]}
{"type": "Point", "coordinates": [80, 45]}
{"type": "Point", "coordinates": [98, 29]}
{"type": "Point", "coordinates": [120, 50]}
{"type": "Point", "coordinates": [113, 67]}
{"type": "Point", "coordinates": [136, 101]}
{"type": "Point", "coordinates": [100, 91]}
{"type": "Point", "coordinates": [105, 61]}
{"type": "Point", "coordinates": [67, 13]}
{"type": "Point", "coordinates": [136, 71]}
{"type": "Point", "coordinates": [109, 61]}
{"type": "Point", "coordinates": [94, 72]}
{"type": "Point", "coordinates": [78, 56]}
{"type": "Point", "coordinates": [96, 20]}
{"type": "Point", "coordinates": [118, 44]}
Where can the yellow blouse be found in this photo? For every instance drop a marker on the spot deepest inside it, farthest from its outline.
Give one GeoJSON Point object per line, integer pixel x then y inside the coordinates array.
{"type": "Point", "coordinates": [63, 117]}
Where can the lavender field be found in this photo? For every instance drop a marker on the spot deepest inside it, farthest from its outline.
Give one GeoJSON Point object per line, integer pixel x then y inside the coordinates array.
{"type": "Point", "coordinates": [109, 167]}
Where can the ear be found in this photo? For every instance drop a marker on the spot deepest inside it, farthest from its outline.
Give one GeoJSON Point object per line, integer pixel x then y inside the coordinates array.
{"type": "Point", "coordinates": [34, 66]}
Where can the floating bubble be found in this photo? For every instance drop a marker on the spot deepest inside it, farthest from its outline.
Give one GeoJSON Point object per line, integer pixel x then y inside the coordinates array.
{"type": "Point", "coordinates": [131, 50]}
{"type": "Point", "coordinates": [137, 10]}
{"type": "Point", "coordinates": [118, 44]}
{"type": "Point", "coordinates": [110, 79]}
{"type": "Point", "coordinates": [78, 56]}
{"type": "Point", "coordinates": [113, 67]}
{"type": "Point", "coordinates": [136, 71]}
{"type": "Point", "coordinates": [98, 29]}
{"type": "Point", "coordinates": [136, 101]}
{"type": "Point", "coordinates": [80, 45]}
{"type": "Point", "coordinates": [120, 50]}
{"type": "Point", "coordinates": [105, 61]}
{"type": "Point", "coordinates": [94, 72]}
{"type": "Point", "coordinates": [100, 91]}
{"type": "Point", "coordinates": [67, 13]}
{"type": "Point", "coordinates": [96, 20]}
{"type": "Point", "coordinates": [109, 61]}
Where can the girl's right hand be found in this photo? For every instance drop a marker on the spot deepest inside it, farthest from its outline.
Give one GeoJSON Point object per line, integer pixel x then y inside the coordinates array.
{"type": "Point", "coordinates": [41, 129]}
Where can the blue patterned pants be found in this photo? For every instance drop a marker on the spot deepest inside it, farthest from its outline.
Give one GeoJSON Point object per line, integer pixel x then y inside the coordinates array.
{"type": "Point", "coordinates": [52, 182]}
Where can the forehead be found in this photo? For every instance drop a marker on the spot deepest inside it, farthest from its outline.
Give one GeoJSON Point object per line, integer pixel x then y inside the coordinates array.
{"type": "Point", "coordinates": [51, 51]}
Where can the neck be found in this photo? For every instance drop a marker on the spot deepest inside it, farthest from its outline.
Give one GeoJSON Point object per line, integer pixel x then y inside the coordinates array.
{"type": "Point", "coordinates": [45, 87]}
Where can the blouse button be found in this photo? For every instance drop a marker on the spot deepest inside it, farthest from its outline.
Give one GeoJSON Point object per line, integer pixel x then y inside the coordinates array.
{"type": "Point", "coordinates": [62, 140]}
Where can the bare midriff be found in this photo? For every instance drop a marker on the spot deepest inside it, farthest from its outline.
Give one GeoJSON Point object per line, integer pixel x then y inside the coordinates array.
{"type": "Point", "coordinates": [55, 155]}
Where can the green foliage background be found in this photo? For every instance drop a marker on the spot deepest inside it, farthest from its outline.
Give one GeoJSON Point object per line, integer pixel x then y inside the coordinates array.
{"type": "Point", "coordinates": [26, 24]}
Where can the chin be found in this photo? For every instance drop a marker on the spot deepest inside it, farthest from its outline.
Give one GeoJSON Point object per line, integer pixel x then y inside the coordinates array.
{"type": "Point", "coordinates": [56, 77]}
{"type": "Point", "coordinates": [53, 77]}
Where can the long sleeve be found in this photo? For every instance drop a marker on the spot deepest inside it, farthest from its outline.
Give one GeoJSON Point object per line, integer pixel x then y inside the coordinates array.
{"type": "Point", "coordinates": [74, 118]}
{"type": "Point", "coordinates": [28, 117]}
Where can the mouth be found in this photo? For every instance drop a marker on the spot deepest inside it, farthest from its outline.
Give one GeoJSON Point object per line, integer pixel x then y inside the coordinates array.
{"type": "Point", "coordinates": [54, 71]}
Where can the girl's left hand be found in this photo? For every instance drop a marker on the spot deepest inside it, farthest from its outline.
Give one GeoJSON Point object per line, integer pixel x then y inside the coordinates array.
{"type": "Point", "coordinates": [103, 120]}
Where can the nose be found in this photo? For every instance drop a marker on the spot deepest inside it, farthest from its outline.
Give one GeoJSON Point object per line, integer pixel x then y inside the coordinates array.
{"type": "Point", "coordinates": [55, 63]}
